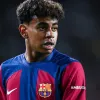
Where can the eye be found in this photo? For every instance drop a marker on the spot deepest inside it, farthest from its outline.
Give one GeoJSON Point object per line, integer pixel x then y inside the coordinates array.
{"type": "Point", "coordinates": [54, 29]}
{"type": "Point", "coordinates": [42, 29]}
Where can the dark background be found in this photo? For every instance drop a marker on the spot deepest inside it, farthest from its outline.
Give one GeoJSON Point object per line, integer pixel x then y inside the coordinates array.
{"type": "Point", "coordinates": [79, 37]}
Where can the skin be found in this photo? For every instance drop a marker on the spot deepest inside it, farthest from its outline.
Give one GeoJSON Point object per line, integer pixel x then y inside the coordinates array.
{"type": "Point", "coordinates": [40, 37]}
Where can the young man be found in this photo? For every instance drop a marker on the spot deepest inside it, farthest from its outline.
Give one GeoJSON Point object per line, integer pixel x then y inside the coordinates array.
{"type": "Point", "coordinates": [41, 73]}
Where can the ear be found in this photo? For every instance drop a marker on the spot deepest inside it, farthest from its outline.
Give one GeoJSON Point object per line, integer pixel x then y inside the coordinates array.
{"type": "Point", "coordinates": [23, 31]}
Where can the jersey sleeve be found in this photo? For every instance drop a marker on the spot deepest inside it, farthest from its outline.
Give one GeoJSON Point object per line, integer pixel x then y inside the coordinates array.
{"type": "Point", "coordinates": [73, 82]}
{"type": "Point", "coordinates": [2, 92]}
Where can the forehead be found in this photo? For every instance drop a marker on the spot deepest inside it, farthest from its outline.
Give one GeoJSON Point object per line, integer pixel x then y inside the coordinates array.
{"type": "Point", "coordinates": [47, 20]}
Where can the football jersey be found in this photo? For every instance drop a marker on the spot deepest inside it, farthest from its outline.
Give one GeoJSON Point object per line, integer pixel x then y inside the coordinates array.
{"type": "Point", "coordinates": [57, 77]}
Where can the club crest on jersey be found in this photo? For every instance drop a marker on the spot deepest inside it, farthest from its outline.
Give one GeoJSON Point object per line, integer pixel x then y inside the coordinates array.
{"type": "Point", "coordinates": [45, 90]}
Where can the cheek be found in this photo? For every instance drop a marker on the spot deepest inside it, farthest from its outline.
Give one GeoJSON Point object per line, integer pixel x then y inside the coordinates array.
{"type": "Point", "coordinates": [56, 35]}
{"type": "Point", "coordinates": [36, 38]}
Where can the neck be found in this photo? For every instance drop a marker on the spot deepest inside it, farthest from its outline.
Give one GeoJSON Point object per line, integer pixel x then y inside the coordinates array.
{"type": "Point", "coordinates": [33, 56]}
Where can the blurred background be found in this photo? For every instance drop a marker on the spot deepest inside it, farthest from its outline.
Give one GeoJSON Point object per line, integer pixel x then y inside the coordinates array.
{"type": "Point", "coordinates": [79, 37]}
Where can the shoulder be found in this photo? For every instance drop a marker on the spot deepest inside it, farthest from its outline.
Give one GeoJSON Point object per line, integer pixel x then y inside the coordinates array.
{"type": "Point", "coordinates": [66, 63]}
{"type": "Point", "coordinates": [74, 68]}
{"type": "Point", "coordinates": [62, 59]}
{"type": "Point", "coordinates": [13, 61]}
{"type": "Point", "coordinates": [11, 65]}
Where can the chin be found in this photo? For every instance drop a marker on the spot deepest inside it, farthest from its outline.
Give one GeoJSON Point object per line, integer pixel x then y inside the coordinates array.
{"type": "Point", "coordinates": [47, 51]}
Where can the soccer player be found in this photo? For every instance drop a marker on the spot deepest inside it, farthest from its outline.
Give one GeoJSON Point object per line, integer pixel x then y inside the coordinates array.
{"type": "Point", "coordinates": [42, 72]}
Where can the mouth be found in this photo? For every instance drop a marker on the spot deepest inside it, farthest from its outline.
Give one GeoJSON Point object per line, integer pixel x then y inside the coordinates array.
{"type": "Point", "coordinates": [48, 45]}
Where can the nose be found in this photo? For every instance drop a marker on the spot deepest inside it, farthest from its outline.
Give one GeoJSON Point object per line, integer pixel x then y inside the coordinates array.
{"type": "Point", "coordinates": [49, 33]}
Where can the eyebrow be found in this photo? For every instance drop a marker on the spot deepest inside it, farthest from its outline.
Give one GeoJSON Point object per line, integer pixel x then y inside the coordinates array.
{"type": "Point", "coordinates": [56, 23]}
{"type": "Point", "coordinates": [46, 24]}
{"type": "Point", "coordinates": [42, 23]}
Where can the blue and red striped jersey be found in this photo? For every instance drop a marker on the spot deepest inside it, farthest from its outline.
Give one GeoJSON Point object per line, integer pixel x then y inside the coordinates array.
{"type": "Point", "coordinates": [57, 77]}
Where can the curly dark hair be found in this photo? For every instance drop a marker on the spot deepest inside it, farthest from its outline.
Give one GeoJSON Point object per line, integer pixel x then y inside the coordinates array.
{"type": "Point", "coordinates": [40, 8]}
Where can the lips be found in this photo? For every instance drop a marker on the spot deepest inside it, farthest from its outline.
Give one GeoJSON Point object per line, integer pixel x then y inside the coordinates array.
{"type": "Point", "coordinates": [48, 45]}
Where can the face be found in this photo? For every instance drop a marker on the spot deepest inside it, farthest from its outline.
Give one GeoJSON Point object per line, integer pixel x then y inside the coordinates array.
{"type": "Point", "coordinates": [42, 34]}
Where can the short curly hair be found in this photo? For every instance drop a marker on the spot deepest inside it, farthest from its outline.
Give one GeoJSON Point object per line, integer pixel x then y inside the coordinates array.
{"type": "Point", "coordinates": [40, 8]}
